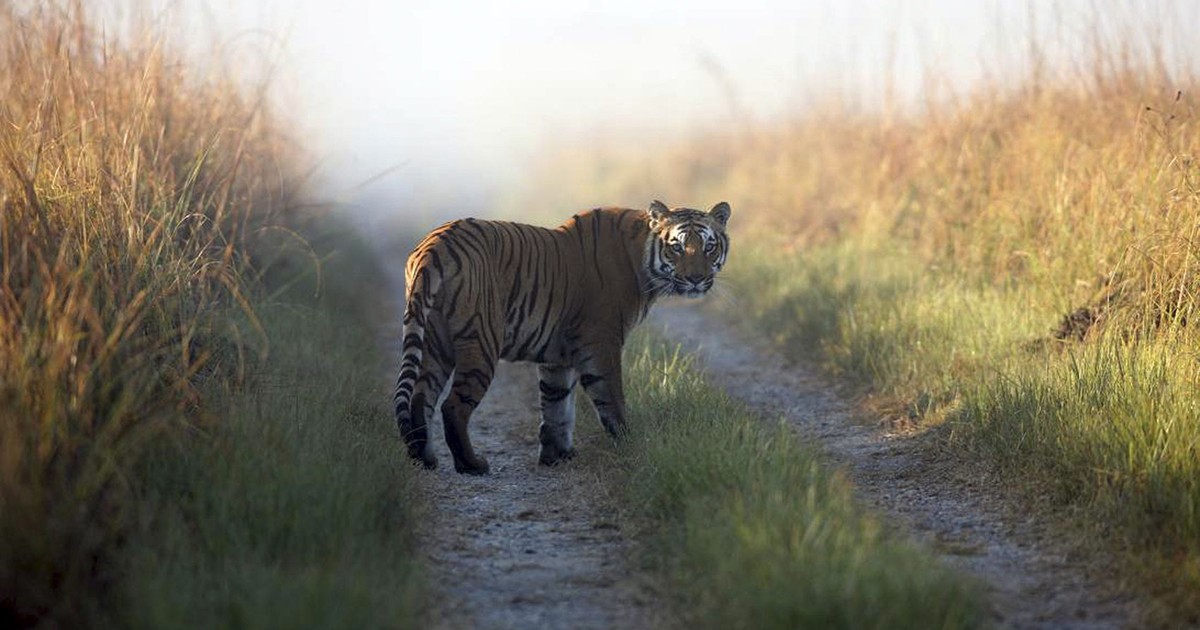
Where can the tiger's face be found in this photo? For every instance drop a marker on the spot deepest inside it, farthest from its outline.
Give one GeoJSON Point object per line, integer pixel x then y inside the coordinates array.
{"type": "Point", "coordinates": [686, 248]}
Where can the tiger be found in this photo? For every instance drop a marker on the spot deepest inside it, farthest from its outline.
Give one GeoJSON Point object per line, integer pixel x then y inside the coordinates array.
{"type": "Point", "coordinates": [479, 291]}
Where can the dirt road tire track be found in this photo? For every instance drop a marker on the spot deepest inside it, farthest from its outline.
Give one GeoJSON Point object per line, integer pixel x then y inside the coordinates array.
{"type": "Point", "coordinates": [1033, 579]}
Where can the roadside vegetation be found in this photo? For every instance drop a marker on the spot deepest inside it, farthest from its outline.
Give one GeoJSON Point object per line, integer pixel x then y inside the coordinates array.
{"type": "Point", "coordinates": [753, 529]}
{"type": "Point", "coordinates": [295, 509]}
{"type": "Point", "coordinates": [1016, 268]}
{"type": "Point", "coordinates": [187, 435]}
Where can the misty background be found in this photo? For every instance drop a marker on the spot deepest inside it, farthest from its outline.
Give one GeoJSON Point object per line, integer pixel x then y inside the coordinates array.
{"type": "Point", "coordinates": [428, 109]}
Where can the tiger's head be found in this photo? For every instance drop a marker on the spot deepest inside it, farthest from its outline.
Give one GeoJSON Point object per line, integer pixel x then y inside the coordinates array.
{"type": "Point", "coordinates": [686, 248]}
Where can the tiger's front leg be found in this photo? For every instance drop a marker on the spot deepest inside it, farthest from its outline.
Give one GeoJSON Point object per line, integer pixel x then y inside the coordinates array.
{"type": "Point", "coordinates": [601, 379]}
{"type": "Point", "coordinates": [557, 388]}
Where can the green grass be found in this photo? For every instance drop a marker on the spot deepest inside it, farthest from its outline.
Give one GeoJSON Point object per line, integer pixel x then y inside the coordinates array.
{"type": "Point", "coordinates": [1111, 426]}
{"type": "Point", "coordinates": [882, 318]}
{"type": "Point", "coordinates": [753, 529]}
{"type": "Point", "coordinates": [1114, 425]}
{"type": "Point", "coordinates": [294, 509]}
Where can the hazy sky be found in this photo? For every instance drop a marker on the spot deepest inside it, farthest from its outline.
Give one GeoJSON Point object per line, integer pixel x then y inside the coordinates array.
{"type": "Point", "coordinates": [455, 95]}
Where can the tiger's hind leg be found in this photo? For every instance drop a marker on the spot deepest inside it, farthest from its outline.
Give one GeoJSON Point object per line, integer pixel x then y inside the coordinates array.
{"type": "Point", "coordinates": [601, 379]}
{"type": "Point", "coordinates": [472, 375]}
{"type": "Point", "coordinates": [437, 361]}
{"type": "Point", "coordinates": [557, 387]}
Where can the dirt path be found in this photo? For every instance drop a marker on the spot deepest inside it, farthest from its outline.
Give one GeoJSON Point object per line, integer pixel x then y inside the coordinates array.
{"type": "Point", "coordinates": [1034, 582]}
{"type": "Point", "coordinates": [527, 546]}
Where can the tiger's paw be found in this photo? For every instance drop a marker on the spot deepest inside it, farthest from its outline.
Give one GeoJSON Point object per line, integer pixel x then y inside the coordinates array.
{"type": "Point", "coordinates": [478, 467]}
{"type": "Point", "coordinates": [551, 455]}
{"type": "Point", "coordinates": [423, 455]}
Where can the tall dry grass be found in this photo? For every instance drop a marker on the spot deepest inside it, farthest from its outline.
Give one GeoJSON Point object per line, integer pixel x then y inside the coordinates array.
{"type": "Point", "coordinates": [131, 193]}
{"type": "Point", "coordinates": [1066, 180]}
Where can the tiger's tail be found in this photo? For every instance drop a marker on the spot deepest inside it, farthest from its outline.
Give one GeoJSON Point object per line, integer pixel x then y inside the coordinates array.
{"type": "Point", "coordinates": [409, 405]}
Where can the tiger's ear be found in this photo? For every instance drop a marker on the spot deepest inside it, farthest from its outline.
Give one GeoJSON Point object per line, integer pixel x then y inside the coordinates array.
{"type": "Point", "coordinates": [721, 213]}
{"type": "Point", "coordinates": [658, 212]}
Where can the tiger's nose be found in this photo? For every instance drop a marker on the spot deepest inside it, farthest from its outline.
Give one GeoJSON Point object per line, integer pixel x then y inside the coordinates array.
{"type": "Point", "coordinates": [695, 278]}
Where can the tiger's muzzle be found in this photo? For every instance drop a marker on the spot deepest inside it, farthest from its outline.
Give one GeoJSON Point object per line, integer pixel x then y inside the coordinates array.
{"type": "Point", "coordinates": [692, 286]}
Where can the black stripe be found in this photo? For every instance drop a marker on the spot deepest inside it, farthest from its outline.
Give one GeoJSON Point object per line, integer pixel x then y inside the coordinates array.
{"type": "Point", "coordinates": [596, 246]}
{"type": "Point", "coordinates": [512, 294]}
{"type": "Point", "coordinates": [579, 237]}
{"type": "Point", "coordinates": [480, 376]}
{"type": "Point", "coordinates": [552, 393]}
{"type": "Point", "coordinates": [453, 254]}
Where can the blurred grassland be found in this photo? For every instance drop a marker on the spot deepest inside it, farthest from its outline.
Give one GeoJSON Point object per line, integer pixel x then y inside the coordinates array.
{"type": "Point", "coordinates": [1017, 266]}
{"type": "Point", "coordinates": [148, 236]}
